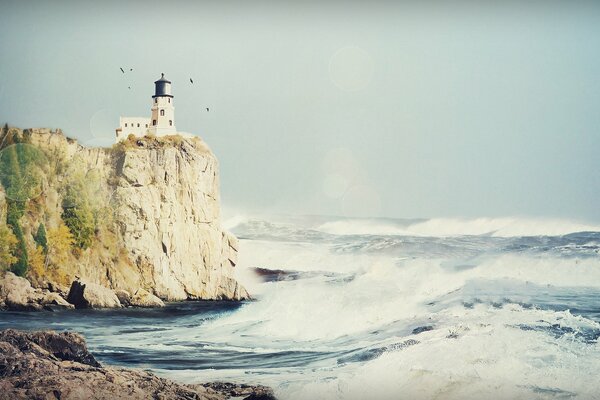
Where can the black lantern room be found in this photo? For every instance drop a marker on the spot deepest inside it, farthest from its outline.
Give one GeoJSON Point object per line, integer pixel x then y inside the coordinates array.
{"type": "Point", "coordinates": [162, 87]}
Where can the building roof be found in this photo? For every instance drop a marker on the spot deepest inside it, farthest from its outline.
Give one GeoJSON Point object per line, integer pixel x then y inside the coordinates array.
{"type": "Point", "coordinates": [162, 79]}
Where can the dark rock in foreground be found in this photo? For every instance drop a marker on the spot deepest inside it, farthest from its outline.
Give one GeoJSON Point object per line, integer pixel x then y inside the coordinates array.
{"type": "Point", "coordinates": [49, 365]}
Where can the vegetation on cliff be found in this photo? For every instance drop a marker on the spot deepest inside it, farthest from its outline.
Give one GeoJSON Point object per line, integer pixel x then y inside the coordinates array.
{"type": "Point", "coordinates": [40, 188]}
{"type": "Point", "coordinates": [142, 215]}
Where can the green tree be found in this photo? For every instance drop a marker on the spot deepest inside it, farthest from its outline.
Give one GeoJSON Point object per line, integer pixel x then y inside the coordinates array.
{"type": "Point", "coordinates": [79, 203]}
{"type": "Point", "coordinates": [19, 267]}
{"type": "Point", "coordinates": [80, 221]}
{"type": "Point", "coordinates": [21, 172]}
{"type": "Point", "coordinates": [8, 242]}
{"type": "Point", "coordinates": [40, 238]}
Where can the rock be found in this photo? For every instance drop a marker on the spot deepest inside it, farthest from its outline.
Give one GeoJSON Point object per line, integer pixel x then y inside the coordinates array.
{"type": "Point", "coordinates": [143, 298]}
{"type": "Point", "coordinates": [90, 295]}
{"type": "Point", "coordinates": [54, 299]}
{"type": "Point", "coordinates": [50, 365]}
{"type": "Point", "coordinates": [124, 297]}
{"type": "Point", "coordinates": [246, 392]}
{"type": "Point", "coordinates": [17, 294]}
{"type": "Point", "coordinates": [180, 250]}
{"type": "Point", "coordinates": [66, 346]}
{"type": "Point", "coordinates": [165, 201]}
{"type": "Point", "coordinates": [57, 288]}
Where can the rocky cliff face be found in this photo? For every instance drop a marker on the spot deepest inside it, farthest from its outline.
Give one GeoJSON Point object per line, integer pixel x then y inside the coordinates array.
{"type": "Point", "coordinates": [159, 201]}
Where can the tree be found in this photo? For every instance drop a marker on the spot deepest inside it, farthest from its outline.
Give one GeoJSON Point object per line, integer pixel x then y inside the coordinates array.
{"type": "Point", "coordinates": [80, 221]}
{"type": "Point", "coordinates": [77, 204]}
{"type": "Point", "coordinates": [60, 241]}
{"type": "Point", "coordinates": [8, 242]}
{"type": "Point", "coordinates": [21, 168]}
{"type": "Point", "coordinates": [40, 238]}
{"type": "Point", "coordinates": [37, 261]}
{"type": "Point", "coordinates": [19, 267]}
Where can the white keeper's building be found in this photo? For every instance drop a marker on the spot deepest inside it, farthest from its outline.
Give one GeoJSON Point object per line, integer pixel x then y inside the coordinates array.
{"type": "Point", "coordinates": [162, 121]}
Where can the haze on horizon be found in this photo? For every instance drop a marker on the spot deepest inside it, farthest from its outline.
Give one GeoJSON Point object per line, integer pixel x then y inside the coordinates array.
{"type": "Point", "coordinates": [408, 109]}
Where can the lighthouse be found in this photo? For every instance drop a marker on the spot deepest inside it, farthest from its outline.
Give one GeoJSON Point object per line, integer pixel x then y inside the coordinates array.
{"type": "Point", "coordinates": [163, 111]}
{"type": "Point", "coordinates": [162, 120]}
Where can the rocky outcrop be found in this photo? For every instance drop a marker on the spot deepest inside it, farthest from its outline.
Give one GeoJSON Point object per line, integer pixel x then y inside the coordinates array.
{"type": "Point", "coordinates": [51, 366]}
{"type": "Point", "coordinates": [159, 200]}
{"type": "Point", "coordinates": [142, 298]}
{"type": "Point", "coordinates": [170, 221]}
{"type": "Point", "coordinates": [90, 295]}
{"type": "Point", "coordinates": [17, 294]}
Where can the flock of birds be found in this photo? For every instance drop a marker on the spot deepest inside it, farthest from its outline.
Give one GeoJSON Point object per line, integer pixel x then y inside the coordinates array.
{"type": "Point", "coordinates": [131, 70]}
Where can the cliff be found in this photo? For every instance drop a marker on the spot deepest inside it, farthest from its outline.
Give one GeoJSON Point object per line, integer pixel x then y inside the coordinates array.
{"type": "Point", "coordinates": [142, 215]}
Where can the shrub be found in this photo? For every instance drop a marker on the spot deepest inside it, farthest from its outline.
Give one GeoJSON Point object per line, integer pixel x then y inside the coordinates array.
{"type": "Point", "coordinates": [80, 221]}
{"type": "Point", "coordinates": [8, 242]}
{"type": "Point", "coordinates": [60, 241]}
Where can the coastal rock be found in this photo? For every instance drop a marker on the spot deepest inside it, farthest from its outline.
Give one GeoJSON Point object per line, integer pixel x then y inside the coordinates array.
{"type": "Point", "coordinates": [17, 294]}
{"type": "Point", "coordinates": [163, 231]}
{"type": "Point", "coordinates": [170, 221]}
{"type": "Point", "coordinates": [143, 298]}
{"type": "Point", "coordinates": [90, 295]}
{"type": "Point", "coordinates": [55, 300]}
{"type": "Point", "coordinates": [124, 297]}
{"type": "Point", "coordinates": [50, 365]}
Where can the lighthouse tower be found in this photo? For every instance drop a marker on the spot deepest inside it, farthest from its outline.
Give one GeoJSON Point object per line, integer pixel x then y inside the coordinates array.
{"type": "Point", "coordinates": [162, 121]}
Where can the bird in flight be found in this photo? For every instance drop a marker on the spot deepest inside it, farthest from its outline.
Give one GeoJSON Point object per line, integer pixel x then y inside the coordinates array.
{"type": "Point", "coordinates": [131, 69]}
{"type": "Point", "coordinates": [122, 70]}
{"type": "Point", "coordinates": [191, 80]}
{"type": "Point", "coordinates": [128, 87]}
{"type": "Point", "coordinates": [207, 110]}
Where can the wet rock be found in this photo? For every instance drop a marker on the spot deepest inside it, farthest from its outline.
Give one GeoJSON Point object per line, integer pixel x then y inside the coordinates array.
{"type": "Point", "coordinates": [124, 297]}
{"type": "Point", "coordinates": [55, 300]}
{"type": "Point", "coordinates": [421, 329]}
{"type": "Point", "coordinates": [246, 392]}
{"type": "Point", "coordinates": [51, 365]}
{"type": "Point", "coordinates": [90, 295]}
{"type": "Point", "coordinates": [143, 298]}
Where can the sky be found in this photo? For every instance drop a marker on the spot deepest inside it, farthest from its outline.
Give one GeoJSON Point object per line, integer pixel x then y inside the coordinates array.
{"type": "Point", "coordinates": [359, 109]}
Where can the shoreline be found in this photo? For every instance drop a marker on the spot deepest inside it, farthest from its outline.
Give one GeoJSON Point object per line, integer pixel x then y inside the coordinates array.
{"type": "Point", "coordinates": [17, 294]}
{"type": "Point", "coordinates": [57, 365]}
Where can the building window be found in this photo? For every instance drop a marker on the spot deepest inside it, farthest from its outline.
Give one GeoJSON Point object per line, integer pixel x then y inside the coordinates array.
{"type": "Point", "coordinates": [125, 124]}
{"type": "Point", "coordinates": [154, 122]}
{"type": "Point", "coordinates": [138, 125]}
{"type": "Point", "coordinates": [146, 125]}
{"type": "Point", "coordinates": [170, 123]}
{"type": "Point", "coordinates": [162, 113]}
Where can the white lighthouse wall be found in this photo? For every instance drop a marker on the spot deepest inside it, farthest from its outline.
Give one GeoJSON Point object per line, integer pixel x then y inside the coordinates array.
{"type": "Point", "coordinates": [165, 121]}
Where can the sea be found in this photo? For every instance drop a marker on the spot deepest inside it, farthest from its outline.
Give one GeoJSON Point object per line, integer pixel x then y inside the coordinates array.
{"type": "Point", "coordinates": [443, 308]}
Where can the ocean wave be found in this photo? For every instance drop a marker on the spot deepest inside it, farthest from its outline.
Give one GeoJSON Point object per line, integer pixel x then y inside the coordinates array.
{"type": "Point", "coordinates": [447, 227]}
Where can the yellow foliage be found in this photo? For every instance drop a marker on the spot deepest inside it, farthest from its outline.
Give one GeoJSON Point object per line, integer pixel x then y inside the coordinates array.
{"type": "Point", "coordinates": [37, 261]}
{"type": "Point", "coordinates": [60, 241]}
{"type": "Point", "coordinates": [8, 241]}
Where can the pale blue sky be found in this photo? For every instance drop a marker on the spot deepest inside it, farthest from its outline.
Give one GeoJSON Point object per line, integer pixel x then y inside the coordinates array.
{"type": "Point", "coordinates": [381, 109]}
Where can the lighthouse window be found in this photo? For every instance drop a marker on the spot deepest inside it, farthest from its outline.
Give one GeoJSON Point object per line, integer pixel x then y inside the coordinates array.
{"type": "Point", "coordinates": [169, 99]}
{"type": "Point", "coordinates": [162, 113]}
{"type": "Point", "coordinates": [155, 100]}
{"type": "Point", "coordinates": [153, 122]}
{"type": "Point", "coordinates": [170, 123]}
